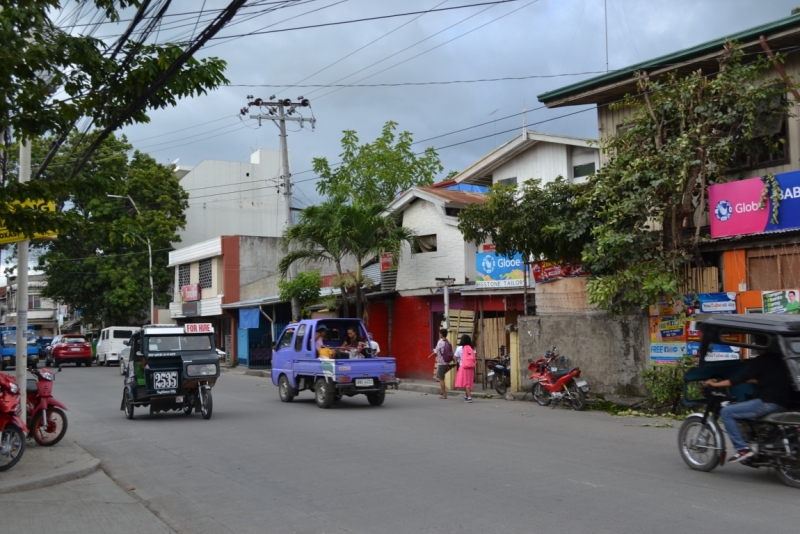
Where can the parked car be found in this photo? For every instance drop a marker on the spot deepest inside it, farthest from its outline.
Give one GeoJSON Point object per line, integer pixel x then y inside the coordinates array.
{"type": "Point", "coordinates": [124, 358]}
{"type": "Point", "coordinates": [111, 342]}
{"type": "Point", "coordinates": [69, 348]}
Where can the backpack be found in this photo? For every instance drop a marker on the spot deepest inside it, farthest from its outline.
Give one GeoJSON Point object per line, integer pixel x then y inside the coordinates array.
{"type": "Point", "coordinates": [447, 352]}
{"type": "Point", "coordinates": [467, 357]}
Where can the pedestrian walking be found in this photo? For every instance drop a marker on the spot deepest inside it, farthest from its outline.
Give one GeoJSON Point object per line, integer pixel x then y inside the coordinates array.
{"type": "Point", "coordinates": [465, 377]}
{"type": "Point", "coordinates": [444, 359]}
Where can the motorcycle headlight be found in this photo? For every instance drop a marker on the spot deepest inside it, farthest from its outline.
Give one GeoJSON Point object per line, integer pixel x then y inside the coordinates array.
{"type": "Point", "coordinates": [47, 376]}
{"type": "Point", "coordinates": [13, 388]}
{"type": "Point", "coordinates": [207, 369]}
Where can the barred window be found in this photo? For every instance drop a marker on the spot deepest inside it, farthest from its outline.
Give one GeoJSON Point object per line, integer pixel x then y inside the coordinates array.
{"type": "Point", "coordinates": [205, 274]}
{"type": "Point", "coordinates": [184, 278]}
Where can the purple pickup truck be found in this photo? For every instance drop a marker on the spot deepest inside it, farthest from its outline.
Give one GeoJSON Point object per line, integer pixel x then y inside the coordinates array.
{"type": "Point", "coordinates": [343, 367]}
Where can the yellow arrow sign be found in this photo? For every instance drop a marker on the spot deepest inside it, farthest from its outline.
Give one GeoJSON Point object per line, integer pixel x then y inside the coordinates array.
{"type": "Point", "coordinates": [7, 236]}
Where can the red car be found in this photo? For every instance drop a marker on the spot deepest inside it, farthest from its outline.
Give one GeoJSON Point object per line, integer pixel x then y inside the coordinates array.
{"type": "Point", "coordinates": [69, 348]}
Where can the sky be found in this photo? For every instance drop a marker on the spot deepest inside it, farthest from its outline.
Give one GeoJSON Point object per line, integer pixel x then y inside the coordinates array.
{"type": "Point", "coordinates": [517, 39]}
{"type": "Point", "coordinates": [552, 42]}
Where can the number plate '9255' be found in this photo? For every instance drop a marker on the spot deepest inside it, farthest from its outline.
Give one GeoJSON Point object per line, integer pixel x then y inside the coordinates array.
{"type": "Point", "coordinates": [165, 380]}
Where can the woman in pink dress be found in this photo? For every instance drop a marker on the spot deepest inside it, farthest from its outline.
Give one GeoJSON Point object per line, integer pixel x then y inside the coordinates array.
{"type": "Point", "coordinates": [466, 366]}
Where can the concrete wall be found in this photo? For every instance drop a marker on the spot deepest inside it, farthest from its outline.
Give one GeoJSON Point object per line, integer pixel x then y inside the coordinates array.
{"type": "Point", "coordinates": [421, 270]}
{"type": "Point", "coordinates": [258, 266]}
{"type": "Point", "coordinates": [611, 351]}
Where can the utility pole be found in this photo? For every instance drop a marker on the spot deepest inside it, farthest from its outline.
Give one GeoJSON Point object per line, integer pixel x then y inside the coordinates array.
{"type": "Point", "coordinates": [279, 111]}
{"type": "Point", "coordinates": [21, 365]}
{"type": "Point", "coordinates": [605, 11]}
{"type": "Point", "coordinates": [445, 283]}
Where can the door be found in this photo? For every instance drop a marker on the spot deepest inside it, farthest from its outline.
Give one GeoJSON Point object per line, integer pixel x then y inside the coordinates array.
{"type": "Point", "coordinates": [242, 347]}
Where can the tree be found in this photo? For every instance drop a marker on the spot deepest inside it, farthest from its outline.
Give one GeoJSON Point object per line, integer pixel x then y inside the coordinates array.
{"type": "Point", "coordinates": [317, 237]}
{"type": "Point", "coordinates": [535, 220]}
{"type": "Point", "coordinates": [645, 205]}
{"type": "Point", "coordinates": [374, 173]}
{"type": "Point", "coordinates": [99, 263]}
{"type": "Point", "coordinates": [51, 77]}
{"type": "Point", "coordinates": [305, 288]}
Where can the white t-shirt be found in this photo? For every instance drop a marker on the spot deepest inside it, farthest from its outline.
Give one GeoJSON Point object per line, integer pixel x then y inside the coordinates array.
{"type": "Point", "coordinates": [457, 353]}
{"type": "Point", "coordinates": [374, 346]}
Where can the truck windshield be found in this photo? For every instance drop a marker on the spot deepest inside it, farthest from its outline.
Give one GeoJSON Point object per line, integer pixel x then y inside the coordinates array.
{"type": "Point", "coordinates": [10, 338]}
{"type": "Point", "coordinates": [178, 343]}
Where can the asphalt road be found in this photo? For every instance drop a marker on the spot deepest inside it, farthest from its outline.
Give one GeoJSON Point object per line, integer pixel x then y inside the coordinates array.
{"type": "Point", "coordinates": [416, 464]}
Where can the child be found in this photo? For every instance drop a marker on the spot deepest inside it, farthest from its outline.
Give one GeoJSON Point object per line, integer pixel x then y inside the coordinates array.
{"type": "Point", "coordinates": [466, 368]}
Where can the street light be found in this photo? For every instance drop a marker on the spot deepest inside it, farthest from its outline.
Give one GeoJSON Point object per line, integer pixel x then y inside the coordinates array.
{"type": "Point", "coordinates": [149, 254]}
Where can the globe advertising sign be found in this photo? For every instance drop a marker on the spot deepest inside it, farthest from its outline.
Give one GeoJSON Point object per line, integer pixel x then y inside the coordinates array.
{"type": "Point", "coordinates": [735, 206]}
{"type": "Point", "coordinates": [494, 270]}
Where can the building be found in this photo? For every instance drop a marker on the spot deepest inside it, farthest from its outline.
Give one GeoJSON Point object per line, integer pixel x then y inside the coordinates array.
{"type": "Point", "coordinates": [233, 198]}
{"type": "Point", "coordinates": [751, 265]}
{"type": "Point", "coordinates": [42, 312]}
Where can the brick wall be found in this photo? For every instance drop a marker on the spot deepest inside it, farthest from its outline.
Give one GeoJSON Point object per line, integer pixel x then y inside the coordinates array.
{"type": "Point", "coordinates": [411, 338]}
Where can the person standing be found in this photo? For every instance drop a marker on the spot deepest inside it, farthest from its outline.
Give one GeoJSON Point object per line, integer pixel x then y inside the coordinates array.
{"type": "Point", "coordinates": [465, 376]}
{"type": "Point", "coordinates": [373, 344]}
{"type": "Point", "coordinates": [444, 358]}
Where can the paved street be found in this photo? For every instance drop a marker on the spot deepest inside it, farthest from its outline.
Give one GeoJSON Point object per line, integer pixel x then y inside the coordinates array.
{"type": "Point", "coordinates": [416, 464]}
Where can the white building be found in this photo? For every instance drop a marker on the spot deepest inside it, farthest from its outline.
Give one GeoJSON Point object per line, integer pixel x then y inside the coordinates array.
{"type": "Point", "coordinates": [534, 155]}
{"type": "Point", "coordinates": [233, 198]}
{"type": "Point", "coordinates": [41, 311]}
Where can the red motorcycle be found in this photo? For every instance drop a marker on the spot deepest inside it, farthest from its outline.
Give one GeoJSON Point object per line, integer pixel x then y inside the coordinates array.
{"type": "Point", "coordinates": [46, 417]}
{"type": "Point", "coordinates": [552, 385]}
{"type": "Point", "coordinates": [12, 428]}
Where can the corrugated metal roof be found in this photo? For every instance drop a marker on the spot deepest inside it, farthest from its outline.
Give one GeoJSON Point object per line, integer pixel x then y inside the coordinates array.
{"type": "Point", "coordinates": [457, 196]}
{"type": "Point", "coordinates": [680, 56]}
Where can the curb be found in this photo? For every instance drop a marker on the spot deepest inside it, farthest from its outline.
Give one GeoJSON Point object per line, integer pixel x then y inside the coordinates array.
{"type": "Point", "coordinates": [434, 390]}
{"type": "Point", "coordinates": [69, 472]}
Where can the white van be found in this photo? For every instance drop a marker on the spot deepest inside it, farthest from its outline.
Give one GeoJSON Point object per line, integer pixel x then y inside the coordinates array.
{"type": "Point", "coordinates": [112, 341]}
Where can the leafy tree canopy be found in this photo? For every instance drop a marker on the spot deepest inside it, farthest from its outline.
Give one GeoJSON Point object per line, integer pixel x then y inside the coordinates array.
{"type": "Point", "coordinates": [374, 173]}
{"type": "Point", "coordinates": [99, 263]}
{"type": "Point", "coordinates": [305, 288]}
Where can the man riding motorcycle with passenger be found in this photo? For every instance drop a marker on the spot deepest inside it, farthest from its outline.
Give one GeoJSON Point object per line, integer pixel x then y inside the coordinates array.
{"type": "Point", "coordinates": [773, 393]}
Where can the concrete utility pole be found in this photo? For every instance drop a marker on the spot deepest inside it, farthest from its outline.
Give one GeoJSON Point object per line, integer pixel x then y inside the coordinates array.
{"type": "Point", "coordinates": [280, 111]}
{"type": "Point", "coordinates": [22, 290]}
{"type": "Point", "coordinates": [445, 283]}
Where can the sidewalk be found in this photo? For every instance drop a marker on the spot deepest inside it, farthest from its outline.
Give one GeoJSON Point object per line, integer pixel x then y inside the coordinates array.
{"type": "Point", "coordinates": [62, 489]}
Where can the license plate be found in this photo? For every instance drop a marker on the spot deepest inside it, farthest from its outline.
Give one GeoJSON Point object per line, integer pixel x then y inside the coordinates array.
{"type": "Point", "coordinates": [554, 369]}
{"type": "Point", "coordinates": [580, 383]}
{"type": "Point", "coordinates": [167, 380]}
{"type": "Point", "coordinates": [6, 358]}
{"type": "Point", "coordinates": [364, 382]}
{"type": "Point", "coordinates": [75, 349]}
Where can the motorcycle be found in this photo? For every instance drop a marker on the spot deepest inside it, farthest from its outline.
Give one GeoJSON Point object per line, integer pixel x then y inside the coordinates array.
{"type": "Point", "coordinates": [47, 419]}
{"type": "Point", "coordinates": [552, 385]}
{"type": "Point", "coordinates": [500, 373]}
{"type": "Point", "coordinates": [12, 428]}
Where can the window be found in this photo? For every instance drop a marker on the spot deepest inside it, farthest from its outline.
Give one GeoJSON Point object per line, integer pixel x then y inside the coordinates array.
{"type": "Point", "coordinates": [178, 343]}
{"type": "Point", "coordinates": [286, 339]}
{"type": "Point", "coordinates": [298, 341]}
{"type": "Point", "coordinates": [579, 171]}
{"type": "Point", "coordinates": [184, 276]}
{"type": "Point", "coordinates": [773, 268]}
{"type": "Point", "coordinates": [122, 334]}
{"type": "Point", "coordinates": [768, 147]}
{"type": "Point", "coordinates": [508, 181]}
{"type": "Point", "coordinates": [452, 212]}
{"type": "Point", "coordinates": [34, 302]}
{"type": "Point", "coordinates": [425, 243]}
{"type": "Point", "coordinates": [205, 274]}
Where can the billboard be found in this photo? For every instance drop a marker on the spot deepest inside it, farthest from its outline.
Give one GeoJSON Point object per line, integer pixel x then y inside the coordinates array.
{"type": "Point", "coordinates": [735, 209]}
{"type": "Point", "coordinates": [7, 236]}
{"type": "Point", "coordinates": [786, 301]}
{"type": "Point", "coordinates": [494, 270]}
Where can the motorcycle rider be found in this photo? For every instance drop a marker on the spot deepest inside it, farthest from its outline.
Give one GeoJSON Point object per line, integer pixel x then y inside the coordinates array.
{"type": "Point", "coordinates": [773, 393]}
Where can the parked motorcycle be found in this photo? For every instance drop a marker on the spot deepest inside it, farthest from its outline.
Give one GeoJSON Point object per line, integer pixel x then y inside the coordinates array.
{"type": "Point", "coordinates": [552, 385]}
{"type": "Point", "coordinates": [500, 373]}
{"type": "Point", "coordinates": [47, 419]}
{"type": "Point", "coordinates": [12, 428]}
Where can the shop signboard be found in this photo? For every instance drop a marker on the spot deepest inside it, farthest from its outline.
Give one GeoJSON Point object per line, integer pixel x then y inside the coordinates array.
{"type": "Point", "coordinates": [786, 301]}
{"type": "Point", "coordinates": [386, 261]}
{"type": "Point", "coordinates": [666, 353]}
{"type": "Point", "coordinates": [718, 353]}
{"type": "Point", "coordinates": [191, 309]}
{"type": "Point", "coordinates": [494, 270]}
{"type": "Point", "coordinates": [736, 206]}
{"type": "Point", "coordinates": [7, 236]}
{"type": "Point", "coordinates": [190, 292]}
{"type": "Point", "coordinates": [547, 271]}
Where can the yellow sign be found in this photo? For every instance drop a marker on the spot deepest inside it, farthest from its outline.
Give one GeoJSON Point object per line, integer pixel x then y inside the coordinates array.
{"type": "Point", "coordinates": [7, 236]}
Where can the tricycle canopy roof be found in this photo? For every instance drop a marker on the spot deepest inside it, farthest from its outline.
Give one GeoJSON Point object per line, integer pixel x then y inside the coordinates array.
{"type": "Point", "coordinates": [769, 332]}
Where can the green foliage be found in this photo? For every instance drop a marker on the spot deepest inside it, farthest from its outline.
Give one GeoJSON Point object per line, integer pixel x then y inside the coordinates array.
{"type": "Point", "coordinates": [99, 263]}
{"type": "Point", "coordinates": [773, 190]}
{"type": "Point", "coordinates": [50, 78]}
{"type": "Point", "coordinates": [305, 288]}
{"type": "Point", "coordinates": [542, 222]}
{"type": "Point", "coordinates": [665, 383]}
{"type": "Point", "coordinates": [683, 135]}
{"type": "Point", "coordinates": [374, 173]}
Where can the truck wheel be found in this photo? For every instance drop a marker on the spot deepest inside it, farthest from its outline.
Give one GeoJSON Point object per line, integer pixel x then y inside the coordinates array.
{"type": "Point", "coordinates": [207, 403]}
{"type": "Point", "coordinates": [377, 398]}
{"type": "Point", "coordinates": [127, 406]}
{"type": "Point", "coordinates": [323, 393]}
{"type": "Point", "coordinates": [285, 389]}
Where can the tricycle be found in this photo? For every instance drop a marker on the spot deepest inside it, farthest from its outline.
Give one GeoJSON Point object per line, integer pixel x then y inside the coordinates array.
{"type": "Point", "coordinates": [332, 358]}
{"type": "Point", "coordinates": [773, 439]}
{"type": "Point", "coordinates": [171, 368]}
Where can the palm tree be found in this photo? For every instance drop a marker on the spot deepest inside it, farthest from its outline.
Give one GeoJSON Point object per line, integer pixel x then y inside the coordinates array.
{"type": "Point", "coordinates": [367, 232]}
{"type": "Point", "coordinates": [317, 237]}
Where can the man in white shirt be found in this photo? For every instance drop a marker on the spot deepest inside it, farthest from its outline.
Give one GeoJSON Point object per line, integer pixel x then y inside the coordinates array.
{"type": "Point", "coordinates": [373, 344]}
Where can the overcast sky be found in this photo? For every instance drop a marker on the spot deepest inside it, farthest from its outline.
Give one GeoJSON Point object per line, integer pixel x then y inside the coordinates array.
{"type": "Point", "coordinates": [522, 38]}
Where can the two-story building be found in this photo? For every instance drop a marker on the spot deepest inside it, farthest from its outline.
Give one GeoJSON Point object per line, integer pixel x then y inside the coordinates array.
{"type": "Point", "coordinates": [41, 310]}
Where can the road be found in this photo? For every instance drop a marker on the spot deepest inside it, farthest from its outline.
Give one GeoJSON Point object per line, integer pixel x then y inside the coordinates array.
{"type": "Point", "coordinates": [415, 465]}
